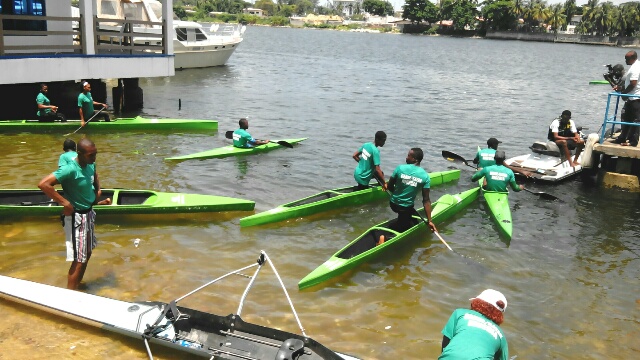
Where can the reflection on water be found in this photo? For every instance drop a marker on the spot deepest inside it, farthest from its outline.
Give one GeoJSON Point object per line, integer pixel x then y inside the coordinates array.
{"type": "Point", "coordinates": [570, 271]}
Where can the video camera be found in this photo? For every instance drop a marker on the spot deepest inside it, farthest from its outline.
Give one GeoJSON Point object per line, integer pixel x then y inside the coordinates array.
{"type": "Point", "coordinates": [614, 74]}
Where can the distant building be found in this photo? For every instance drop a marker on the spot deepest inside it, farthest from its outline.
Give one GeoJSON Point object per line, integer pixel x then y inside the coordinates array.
{"type": "Point", "coordinates": [348, 6]}
{"type": "Point", "coordinates": [315, 20]}
{"type": "Point", "coordinates": [253, 11]}
{"type": "Point", "coordinates": [571, 26]}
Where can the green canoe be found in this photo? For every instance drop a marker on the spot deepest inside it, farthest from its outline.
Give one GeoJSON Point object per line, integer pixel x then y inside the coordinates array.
{"type": "Point", "coordinates": [333, 199]}
{"type": "Point", "coordinates": [364, 247]}
{"type": "Point", "coordinates": [33, 202]}
{"type": "Point", "coordinates": [124, 124]}
{"type": "Point", "coordinates": [498, 203]}
{"type": "Point", "coordinates": [231, 150]}
{"type": "Point", "coordinates": [598, 82]}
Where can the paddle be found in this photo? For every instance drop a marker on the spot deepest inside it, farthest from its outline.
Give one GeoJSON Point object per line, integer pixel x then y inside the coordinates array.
{"type": "Point", "coordinates": [86, 122]}
{"type": "Point", "coordinates": [542, 195]}
{"type": "Point", "coordinates": [229, 135]}
{"type": "Point", "coordinates": [381, 182]}
{"type": "Point", "coordinates": [455, 158]}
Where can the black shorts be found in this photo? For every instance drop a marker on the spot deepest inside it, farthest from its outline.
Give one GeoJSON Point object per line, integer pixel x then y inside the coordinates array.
{"type": "Point", "coordinates": [571, 144]}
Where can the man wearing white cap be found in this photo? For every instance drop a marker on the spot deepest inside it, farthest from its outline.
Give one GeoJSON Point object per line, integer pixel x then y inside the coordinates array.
{"type": "Point", "coordinates": [475, 333]}
{"type": "Point", "coordinates": [85, 105]}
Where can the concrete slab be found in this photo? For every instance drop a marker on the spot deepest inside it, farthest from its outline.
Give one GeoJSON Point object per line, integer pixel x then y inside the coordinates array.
{"type": "Point", "coordinates": [612, 149]}
{"type": "Point", "coordinates": [622, 181]}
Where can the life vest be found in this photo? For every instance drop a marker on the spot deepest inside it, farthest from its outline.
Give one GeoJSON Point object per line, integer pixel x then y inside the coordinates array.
{"type": "Point", "coordinates": [563, 130]}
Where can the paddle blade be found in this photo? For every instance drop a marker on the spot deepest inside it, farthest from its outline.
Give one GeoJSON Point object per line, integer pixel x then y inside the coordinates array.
{"type": "Point", "coordinates": [285, 144]}
{"type": "Point", "coordinates": [228, 134]}
{"type": "Point", "coordinates": [548, 196]}
{"type": "Point", "coordinates": [454, 157]}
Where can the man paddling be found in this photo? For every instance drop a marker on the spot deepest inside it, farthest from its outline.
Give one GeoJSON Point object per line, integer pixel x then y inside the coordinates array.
{"type": "Point", "coordinates": [368, 158]}
{"type": "Point", "coordinates": [405, 183]}
{"type": "Point", "coordinates": [242, 139]}
{"type": "Point", "coordinates": [80, 184]}
{"type": "Point", "coordinates": [85, 105]}
{"type": "Point", "coordinates": [484, 157]}
{"type": "Point", "coordinates": [497, 176]}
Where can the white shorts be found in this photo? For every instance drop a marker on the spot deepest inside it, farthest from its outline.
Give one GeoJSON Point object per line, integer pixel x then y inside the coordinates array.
{"type": "Point", "coordinates": [79, 235]}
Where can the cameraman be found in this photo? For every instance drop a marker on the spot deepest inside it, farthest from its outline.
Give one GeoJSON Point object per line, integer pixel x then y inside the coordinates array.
{"type": "Point", "coordinates": [631, 110]}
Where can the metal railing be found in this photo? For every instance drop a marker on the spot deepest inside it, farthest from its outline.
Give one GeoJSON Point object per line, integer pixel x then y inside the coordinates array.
{"type": "Point", "coordinates": [129, 36]}
{"type": "Point", "coordinates": [75, 45]}
{"type": "Point", "coordinates": [111, 36]}
{"type": "Point", "coordinates": [613, 118]}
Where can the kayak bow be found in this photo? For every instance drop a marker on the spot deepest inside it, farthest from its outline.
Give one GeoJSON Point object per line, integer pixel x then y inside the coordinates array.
{"type": "Point", "coordinates": [231, 150]}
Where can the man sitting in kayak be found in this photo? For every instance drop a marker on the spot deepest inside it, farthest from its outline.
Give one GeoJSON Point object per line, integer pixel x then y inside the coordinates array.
{"type": "Point", "coordinates": [484, 157]}
{"type": "Point", "coordinates": [404, 184]}
{"type": "Point", "coordinates": [242, 139]}
{"type": "Point", "coordinates": [368, 158]}
{"type": "Point", "coordinates": [564, 133]}
{"type": "Point", "coordinates": [497, 176]}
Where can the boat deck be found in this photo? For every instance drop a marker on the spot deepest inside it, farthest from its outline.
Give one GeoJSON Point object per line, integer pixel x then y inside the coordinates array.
{"type": "Point", "coordinates": [608, 147]}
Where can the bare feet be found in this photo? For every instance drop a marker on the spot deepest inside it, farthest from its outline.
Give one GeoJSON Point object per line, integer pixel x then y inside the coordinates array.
{"type": "Point", "coordinates": [82, 123]}
{"type": "Point", "coordinates": [106, 201]}
{"type": "Point", "coordinates": [380, 241]}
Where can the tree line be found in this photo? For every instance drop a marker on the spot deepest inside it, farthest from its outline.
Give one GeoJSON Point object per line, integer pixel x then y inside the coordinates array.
{"type": "Point", "coordinates": [598, 18]}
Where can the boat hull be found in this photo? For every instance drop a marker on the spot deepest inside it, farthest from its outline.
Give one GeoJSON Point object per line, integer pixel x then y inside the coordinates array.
{"type": "Point", "coordinates": [189, 57]}
{"type": "Point", "coordinates": [545, 168]}
{"type": "Point", "coordinates": [33, 202]}
{"type": "Point", "coordinates": [230, 150]}
{"type": "Point", "coordinates": [498, 203]}
{"type": "Point", "coordinates": [364, 247]}
{"type": "Point", "coordinates": [331, 200]}
{"type": "Point", "coordinates": [210, 332]}
{"type": "Point", "coordinates": [123, 124]}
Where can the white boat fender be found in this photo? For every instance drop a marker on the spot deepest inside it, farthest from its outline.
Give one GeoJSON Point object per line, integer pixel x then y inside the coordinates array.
{"type": "Point", "coordinates": [587, 154]}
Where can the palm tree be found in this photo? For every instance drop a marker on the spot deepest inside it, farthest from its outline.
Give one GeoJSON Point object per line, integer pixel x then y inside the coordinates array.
{"type": "Point", "coordinates": [603, 18]}
{"type": "Point", "coordinates": [556, 17]}
{"type": "Point", "coordinates": [570, 10]}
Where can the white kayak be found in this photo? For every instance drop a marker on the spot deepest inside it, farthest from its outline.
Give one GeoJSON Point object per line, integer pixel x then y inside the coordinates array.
{"type": "Point", "coordinates": [194, 332]}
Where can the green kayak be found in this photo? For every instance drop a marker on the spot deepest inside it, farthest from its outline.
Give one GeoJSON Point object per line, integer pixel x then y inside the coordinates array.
{"type": "Point", "coordinates": [33, 202]}
{"type": "Point", "coordinates": [231, 150]}
{"type": "Point", "coordinates": [364, 247]}
{"type": "Point", "coordinates": [124, 124]}
{"type": "Point", "coordinates": [498, 203]}
{"type": "Point", "coordinates": [333, 199]}
{"type": "Point", "coordinates": [598, 82]}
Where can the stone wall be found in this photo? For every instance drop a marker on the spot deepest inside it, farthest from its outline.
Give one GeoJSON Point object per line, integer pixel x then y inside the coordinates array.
{"type": "Point", "coordinates": [565, 38]}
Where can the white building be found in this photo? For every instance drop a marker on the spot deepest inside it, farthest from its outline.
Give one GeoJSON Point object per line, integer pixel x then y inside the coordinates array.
{"type": "Point", "coordinates": [348, 6]}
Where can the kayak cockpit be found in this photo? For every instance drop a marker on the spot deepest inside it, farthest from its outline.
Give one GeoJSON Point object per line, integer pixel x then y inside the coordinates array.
{"type": "Point", "coordinates": [324, 196]}
{"type": "Point", "coordinates": [370, 239]}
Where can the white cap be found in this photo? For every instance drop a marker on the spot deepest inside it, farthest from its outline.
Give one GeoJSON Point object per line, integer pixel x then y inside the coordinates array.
{"type": "Point", "coordinates": [85, 83]}
{"type": "Point", "coordinates": [492, 296]}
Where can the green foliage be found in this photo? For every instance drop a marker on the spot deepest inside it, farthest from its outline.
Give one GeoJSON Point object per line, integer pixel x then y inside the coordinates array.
{"type": "Point", "coordinates": [279, 21]}
{"type": "Point", "coordinates": [377, 7]}
{"type": "Point", "coordinates": [179, 11]}
{"type": "Point", "coordinates": [267, 5]}
{"type": "Point", "coordinates": [420, 10]}
{"type": "Point", "coordinates": [497, 16]}
{"type": "Point", "coordinates": [431, 31]}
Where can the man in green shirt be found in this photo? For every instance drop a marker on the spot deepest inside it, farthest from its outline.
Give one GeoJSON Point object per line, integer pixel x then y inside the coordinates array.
{"type": "Point", "coordinates": [405, 183]}
{"type": "Point", "coordinates": [497, 176]}
{"type": "Point", "coordinates": [242, 138]}
{"type": "Point", "coordinates": [475, 333]}
{"type": "Point", "coordinates": [484, 157]}
{"type": "Point", "coordinates": [368, 158]}
{"type": "Point", "coordinates": [85, 105]}
{"type": "Point", "coordinates": [46, 111]}
{"type": "Point", "coordinates": [80, 185]}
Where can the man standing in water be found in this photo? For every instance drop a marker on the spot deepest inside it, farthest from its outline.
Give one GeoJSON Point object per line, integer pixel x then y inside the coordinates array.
{"type": "Point", "coordinates": [242, 139]}
{"type": "Point", "coordinates": [368, 158]}
{"type": "Point", "coordinates": [80, 183]}
{"type": "Point", "coordinates": [405, 183]}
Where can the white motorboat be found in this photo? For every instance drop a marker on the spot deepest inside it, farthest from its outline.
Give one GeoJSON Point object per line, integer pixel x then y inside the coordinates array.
{"type": "Point", "coordinates": [547, 163]}
{"type": "Point", "coordinates": [193, 46]}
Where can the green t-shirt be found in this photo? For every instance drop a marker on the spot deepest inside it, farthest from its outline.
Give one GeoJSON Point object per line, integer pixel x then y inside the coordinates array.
{"type": "Point", "coordinates": [485, 157]}
{"type": "Point", "coordinates": [85, 101]}
{"type": "Point", "coordinates": [409, 180]}
{"type": "Point", "coordinates": [498, 177]}
{"type": "Point", "coordinates": [42, 99]}
{"type": "Point", "coordinates": [77, 184]}
{"type": "Point", "coordinates": [369, 159]}
{"type": "Point", "coordinates": [67, 157]}
{"type": "Point", "coordinates": [473, 336]}
{"type": "Point", "coordinates": [242, 139]}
